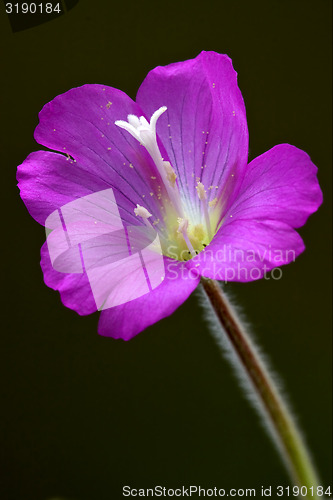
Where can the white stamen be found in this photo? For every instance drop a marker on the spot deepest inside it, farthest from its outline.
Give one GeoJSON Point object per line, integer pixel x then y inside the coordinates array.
{"type": "Point", "coordinates": [141, 129]}
{"type": "Point", "coordinates": [182, 228]}
{"type": "Point", "coordinates": [145, 133]}
{"type": "Point", "coordinates": [203, 198]}
{"type": "Point", "coordinates": [171, 175]}
{"type": "Point", "coordinates": [183, 225]}
{"type": "Point", "coordinates": [201, 191]}
{"type": "Point", "coordinates": [142, 212]}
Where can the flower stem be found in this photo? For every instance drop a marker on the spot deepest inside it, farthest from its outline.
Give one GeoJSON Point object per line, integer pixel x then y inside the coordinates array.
{"type": "Point", "coordinates": [279, 419]}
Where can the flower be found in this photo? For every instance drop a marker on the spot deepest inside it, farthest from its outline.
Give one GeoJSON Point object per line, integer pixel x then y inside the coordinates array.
{"type": "Point", "coordinates": [176, 160]}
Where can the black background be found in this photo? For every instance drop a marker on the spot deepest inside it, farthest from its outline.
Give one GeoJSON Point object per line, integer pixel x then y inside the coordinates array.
{"type": "Point", "coordinates": [84, 415]}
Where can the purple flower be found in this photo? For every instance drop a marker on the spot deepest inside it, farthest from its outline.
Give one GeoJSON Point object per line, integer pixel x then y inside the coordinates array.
{"type": "Point", "coordinates": [176, 160]}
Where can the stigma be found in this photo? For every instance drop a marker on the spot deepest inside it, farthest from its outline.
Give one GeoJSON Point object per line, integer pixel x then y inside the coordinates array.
{"type": "Point", "coordinates": [145, 132]}
{"type": "Point", "coordinates": [179, 232]}
{"type": "Point", "coordinates": [142, 130]}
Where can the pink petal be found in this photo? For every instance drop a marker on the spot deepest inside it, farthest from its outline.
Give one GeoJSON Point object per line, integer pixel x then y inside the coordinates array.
{"type": "Point", "coordinates": [86, 236]}
{"type": "Point", "coordinates": [204, 130]}
{"type": "Point", "coordinates": [80, 123]}
{"type": "Point", "coordinates": [127, 320]}
{"type": "Point", "coordinates": [74, 289]}
{"type": "Point", "coordinates": [280, 190]}
{"type": "Point", "coordinates": [247, 249]}
{"type": "Point", "coordinates": [281, 184]}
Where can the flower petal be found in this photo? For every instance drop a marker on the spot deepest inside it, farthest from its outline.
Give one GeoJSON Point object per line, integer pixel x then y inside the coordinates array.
{"type": "Point", "coordinates": [127, 320]}
{"type": "Point", "coordinates": [204, 130]}
{"type": "Point", "coordinates": [245, 250]}
{"type": "Point", "coordinates": [81, 123]}
{"type": "Point", "coordinates": [48, 181]}
{"type": "Point", "coordinates": [280, 190]}
{"type": "Point", "coordinates": [115, 265]}
{"type": "Point", "coordinates": [113, 270]}
{"type": "Point", "coordinates": [281, 184]}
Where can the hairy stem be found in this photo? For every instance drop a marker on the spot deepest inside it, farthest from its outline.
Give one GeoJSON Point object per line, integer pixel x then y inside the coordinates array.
{"type": "Point", "coordinates": [280, 421]}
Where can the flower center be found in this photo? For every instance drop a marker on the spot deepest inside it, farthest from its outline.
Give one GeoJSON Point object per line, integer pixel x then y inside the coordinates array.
{"type": "Point", "coordinates": [181, 238]}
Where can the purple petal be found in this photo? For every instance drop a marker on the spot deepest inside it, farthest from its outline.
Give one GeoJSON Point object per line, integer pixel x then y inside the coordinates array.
{"type": "Point", "coordinates": [127, 320]}
{"type": "Point", "coordinates": [204, 130]}
{"type": "Point", "coordinates": [123, 266]}
{"type": "Point", "coordinates": [87, 236]}
{"type": "Point", "coordinates": [48, 181]}
{"type": "Point", "coordinates": [80, 123]}
{"type": "Point", "coordinates": [247, 249]}
{"type": "Point", "coordinates": [281, 184]}
{"type": "Point", "coordinates": [74, 289]}
{"type": "Point", "coordinates": [280, 190]}
{"type": "Point", "coordinates": [104, 271]}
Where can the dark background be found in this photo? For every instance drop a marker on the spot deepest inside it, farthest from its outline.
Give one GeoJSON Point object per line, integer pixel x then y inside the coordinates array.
{"type": "Point", "coordinates": [84, 415]}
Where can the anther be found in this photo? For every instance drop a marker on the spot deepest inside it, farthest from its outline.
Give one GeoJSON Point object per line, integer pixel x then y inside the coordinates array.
{"type": "Point", "coordinates": [201, 191]}
{"type": "Point", "coordinates": [143, 213]}
{"type": "Point", "coordinates": [170, 173]}
{"type": "Point", "coordinates": [212, 203]}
